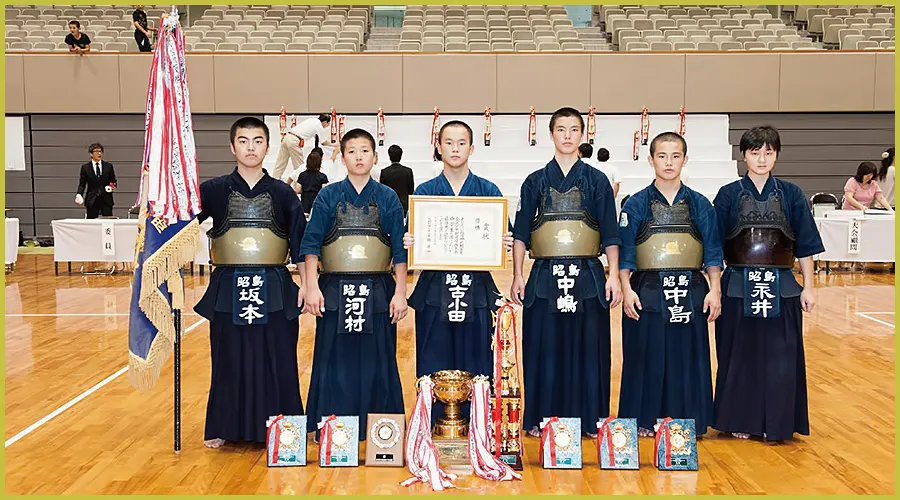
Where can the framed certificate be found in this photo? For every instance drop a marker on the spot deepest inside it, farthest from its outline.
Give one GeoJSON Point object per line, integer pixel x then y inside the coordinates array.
{"type": "Point", "coordinates": [458, 232]}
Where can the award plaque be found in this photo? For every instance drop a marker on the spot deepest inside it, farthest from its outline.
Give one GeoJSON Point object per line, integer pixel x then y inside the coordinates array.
{"type": "Point", "coordinates": [617, 445]}
{"type": "Point", "coordinates": [675, 447]}
{"type": "Point", "coordinates": [339, 441]}
{"type": "Point", "coordinates": [458, 232]}
{"type": "Point", "coordinates": [286, 441]}
{"type": "Point", "coordinates": [386, 436]}
{"type": "Point", "coordinates": [561, 443]}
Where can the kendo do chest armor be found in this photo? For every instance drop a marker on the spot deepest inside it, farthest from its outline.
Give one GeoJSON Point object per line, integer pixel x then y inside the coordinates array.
{"type": "Point", "coordinates": [249, 235]}
{"type": "Point", "coordinates": [356, 243]}
{"type": "Point", "coordinates": [762, 236]}
{"type": "Point", "coordinates": [563, 228]}
{"type": "Point", "coordinates": [669, 239]}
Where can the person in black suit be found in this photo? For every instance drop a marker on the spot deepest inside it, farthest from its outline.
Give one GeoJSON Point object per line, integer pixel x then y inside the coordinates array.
{"type": "Point", "coordinates": [96, 185]}
{"type": "Point", "coordinates": [398, 177]}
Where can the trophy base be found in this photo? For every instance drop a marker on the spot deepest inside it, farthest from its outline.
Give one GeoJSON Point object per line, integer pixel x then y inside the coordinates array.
{"type": "Point", "coordinates": [513, 460]}
{"type": "Point", "coordinates": [452, 451]}
{"type": "Point", "coordinates": [380, 142]}
{"type": "Point", "coordinates": [534, 143]}
{"type": "Point", "coordinates": [451, 429]}
{"type": "Point", "coordinates": [487, 142]}
{"type": "Point", "coordinates": [590, 141]}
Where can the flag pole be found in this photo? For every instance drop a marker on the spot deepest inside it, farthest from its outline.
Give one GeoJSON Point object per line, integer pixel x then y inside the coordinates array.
{"type": "Point", "coordinates": [177, 430]}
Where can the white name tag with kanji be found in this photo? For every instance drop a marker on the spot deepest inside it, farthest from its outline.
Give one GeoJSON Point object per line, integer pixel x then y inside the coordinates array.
{"type": "Point", "coordinates": [355, 312]}
{"type": "Point", "coordinates": [762, 293]}
{"type": "Point", "coordinates": [565, 277]}
{"type": "Point", "coordinates": [456, 298]}
{"type": "Point", "coordinates": [677, 306]}
{"type": "Point", "coordinates": [249, 306]}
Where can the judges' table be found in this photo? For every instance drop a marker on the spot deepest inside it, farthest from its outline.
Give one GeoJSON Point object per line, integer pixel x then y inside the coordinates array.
{"type": "Point", "coordinates": [11, 252]}
{"type": "Point", "coordinates": [84, 240]}
{"type": "Point", "coordinates": [876, 237]}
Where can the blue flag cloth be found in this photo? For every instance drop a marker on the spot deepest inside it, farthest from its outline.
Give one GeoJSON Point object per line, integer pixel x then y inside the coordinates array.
{"type": "Point", "coordinates": [158, 288]}
{"type": "Point", "coordinates": [168, 230]}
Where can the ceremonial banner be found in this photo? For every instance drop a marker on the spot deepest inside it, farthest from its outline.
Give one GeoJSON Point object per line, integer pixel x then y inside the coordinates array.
{"type": "Point", "coordinates": [168, 232]}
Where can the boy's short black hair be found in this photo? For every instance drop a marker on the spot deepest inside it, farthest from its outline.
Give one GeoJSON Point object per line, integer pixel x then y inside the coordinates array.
{"type": "Point", "coordinates": [564, 112]}
{"type": "Point", "coordinates": [602, 154]}
{"type": "Point", "coordinates": [759, 137]}
{"type": "Point", "coordinates": [249, 122]}
{"type": "Point", "coordinates": [76, 23]}
{"type": "Point", "coordinates": [325, 117]}
{"type": "Point", "coordinates": [395, 153]}
{"type": "Point", "coordinates": [586, 150]}
{"type": "Point", "coordinates": [456, 123]}
{"type": "Point", "coordinates": [668, 137]}
{"type": "Point", "coordinates": [357, 133]}
{"type": "Point", "coordinates": [94, 146]}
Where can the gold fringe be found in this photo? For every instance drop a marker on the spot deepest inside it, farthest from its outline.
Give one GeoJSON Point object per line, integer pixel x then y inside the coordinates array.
{"type": "Point", "coordinates": [162, 266]}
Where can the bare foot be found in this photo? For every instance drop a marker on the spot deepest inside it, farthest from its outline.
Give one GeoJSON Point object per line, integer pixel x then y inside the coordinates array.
{"type": "Point", "coordinates": [213, 443]}
{"type": "Point", "coordinates": [642, 432]}
{"type": "Point", "coordinates": [741, 435]}
{"type": "Point", "coordinates": [590, 435]}
{"type": "Point", "coordinates": [535, 432]}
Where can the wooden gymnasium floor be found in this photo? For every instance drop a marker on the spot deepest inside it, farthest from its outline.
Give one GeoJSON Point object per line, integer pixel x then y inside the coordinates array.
{"type": "Point", "coordinates": [66, 350]}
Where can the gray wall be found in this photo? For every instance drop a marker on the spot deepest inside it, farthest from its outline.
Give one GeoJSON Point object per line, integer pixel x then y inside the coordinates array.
{"type": "Point", "coordinates": [820, 151]}
{"type": "Point", "coordinates": [56, 147]}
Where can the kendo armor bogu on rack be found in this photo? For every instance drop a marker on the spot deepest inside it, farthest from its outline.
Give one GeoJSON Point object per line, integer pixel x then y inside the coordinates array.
{"type": "Point", "coordinates": [563, 227]}
{"type": "Point", "coordinates": [356, 242]}
{"type": "Point", "coordinates": [669, 239]}
{"type": "Point", "coordinates": [762, 237]}
{"type": "Point", "coordinates": [249, 235]}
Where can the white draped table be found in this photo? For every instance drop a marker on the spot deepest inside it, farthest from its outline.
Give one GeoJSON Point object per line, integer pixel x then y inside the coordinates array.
{"type": "Point", "coordinates": [11, 251]}
{"type": "Point", "coordinates": [876, 239]}
{"type": "Point", "coordinates": [81, 240]}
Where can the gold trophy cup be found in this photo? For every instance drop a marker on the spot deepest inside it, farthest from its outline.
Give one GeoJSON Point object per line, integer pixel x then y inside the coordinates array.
{"type": "Point", "coordinates": [452, 387]}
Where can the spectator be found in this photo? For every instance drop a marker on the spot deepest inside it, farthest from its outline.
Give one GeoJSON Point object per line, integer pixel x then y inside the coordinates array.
{"type": "Point", "coordinates": [96, 184]}
{"type": "Point", "coordinates": [398, 177]}
{"type": "Point", "coordinates": [298, 142]}
{"type": "Point", "coordinates": [77, 41]}
{"type": "Point", "coordinates": [886, 174]}
{"type": "Point", "coordinates": [586, 151]}
{"type": "Point", "coordinates": [141, 30]}
{"type": "Point", "coordinates": [861, 189]}
{"type": "Point", "coordinates": [311, 180]}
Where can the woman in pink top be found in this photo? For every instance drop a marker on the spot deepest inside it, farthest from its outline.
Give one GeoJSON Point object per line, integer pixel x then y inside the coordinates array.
{"type": "Point", "coordinates": [860, 189]}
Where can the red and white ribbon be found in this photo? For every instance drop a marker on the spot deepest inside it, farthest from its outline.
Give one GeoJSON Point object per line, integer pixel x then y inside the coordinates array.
{"type": "Point", "coordinates": [293, 121]}
{"type": "Point", "coordinates": [334, 125]}
{"type": "Point", "coordinates": [341, 127]}
{"type": "Point", "coordinates": [379, 127]}
{"type": "Point", "coordinates": [636, 149]}
{"type": "Point", "coordinates": [532, 128]}
{"type": "Point", "coordinates": [422, 456]}
{"type": "Point", "coordinates": [169, 148]}
{"type": "Point", "coordinates": [435, 130]}
{"type": "Point", "coordinates": [274, 432]}
{"type": "Point", "coordinates": [548, 438]}
{"type": "Point", "coordinates": [487, 126]}
{"type": "Point", "coordinates": [326, 438]}
{"type": "Point", "coordinates": [645, 126]}
{"type": "Point", "coordinates": [604, 432]}
{"type": "Point", "coordinates": [681, 128]}
{"type": "Point", "coordinates": [591, 125]}
{"type": "Point", "coordinates": [282, 122]}
{"type": "Point", "coordinates": [661, 429]}
{"type": "Point", "coordinates": [485, 465]}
